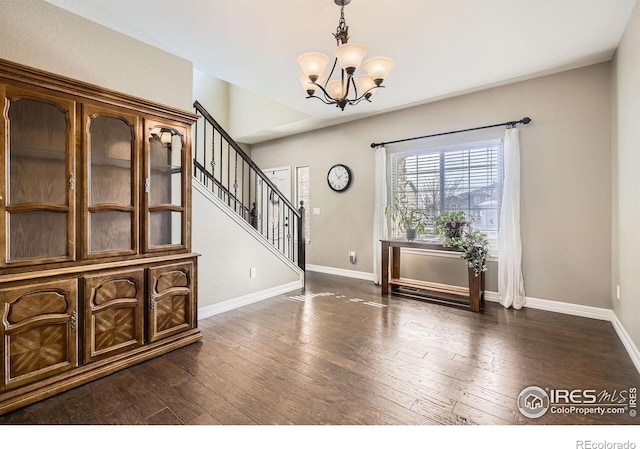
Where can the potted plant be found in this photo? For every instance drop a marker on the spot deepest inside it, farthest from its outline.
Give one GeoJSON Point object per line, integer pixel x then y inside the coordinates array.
{"type": "Point", "coordinates": [475, 250]}
{"type": "Point", "coordinates": [410, 219]}
{"type": "Point", "coordinates": [450, 226]}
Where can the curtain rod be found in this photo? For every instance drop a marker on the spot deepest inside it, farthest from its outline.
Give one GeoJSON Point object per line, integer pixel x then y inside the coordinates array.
{"type": "Point", "coordinates": [524, 121]}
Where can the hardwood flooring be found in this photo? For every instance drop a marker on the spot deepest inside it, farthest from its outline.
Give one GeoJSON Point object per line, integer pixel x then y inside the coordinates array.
{"type": "Point", "coordinates": [339, 353]}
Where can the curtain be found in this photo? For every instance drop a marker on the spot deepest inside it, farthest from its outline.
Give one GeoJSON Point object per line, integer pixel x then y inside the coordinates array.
{"type": "Point", "coordinates": [379, 219]}
{"type": "Point", "coordinates": [510, 279]}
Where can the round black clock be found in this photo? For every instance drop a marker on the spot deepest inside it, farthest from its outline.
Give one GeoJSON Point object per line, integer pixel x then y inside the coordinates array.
{"type": "Point", "coordinates": [339, 177]}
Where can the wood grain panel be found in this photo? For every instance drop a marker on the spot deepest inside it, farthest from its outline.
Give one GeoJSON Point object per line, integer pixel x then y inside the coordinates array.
{"type": "Point", "coordinates": [170, 304]}
{"type": "Point", "coordinates": [38, 331]}
{"type": "Point", "coordinates": [40, 174]}
{"type": "Point", "coordinates": [113, 313]}
{"type": "Point", "coordinates": [172, 278]}
{"type": "Point", "coordinates": [37, 303]}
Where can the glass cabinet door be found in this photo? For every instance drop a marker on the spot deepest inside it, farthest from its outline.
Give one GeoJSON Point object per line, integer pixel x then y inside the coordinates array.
{"type": "Point", "coordinates": [166, 175]}
{"type": "Point", "coordinates": [111, 176]}
{"type": "Point", "coordinates": [38, 193]}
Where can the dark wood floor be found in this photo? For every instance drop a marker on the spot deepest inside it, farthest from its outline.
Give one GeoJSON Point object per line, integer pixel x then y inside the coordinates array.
{"type": "Point", "coordinates": [342, 354]}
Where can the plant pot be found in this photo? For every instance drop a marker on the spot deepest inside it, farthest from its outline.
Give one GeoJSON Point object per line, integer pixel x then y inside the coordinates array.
{"type": "Point", "coordinates": [411, 234]}
{"type": "Point", "coordinates": [454, 229]}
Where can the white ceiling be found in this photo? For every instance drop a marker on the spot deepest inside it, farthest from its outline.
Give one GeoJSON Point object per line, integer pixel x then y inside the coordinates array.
{"type": "Point", "coordinates": [441, 47]}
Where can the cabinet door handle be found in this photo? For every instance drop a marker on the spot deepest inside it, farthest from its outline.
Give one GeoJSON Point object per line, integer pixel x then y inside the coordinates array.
{"type": "Point", "coordinates": [72, 181]}
{"type": "Point", "coordinates": [147, 185]}
{"type": "Point", "coordinates": [74, 316]}
{"type": "Point", "coordinates": [152, 303]}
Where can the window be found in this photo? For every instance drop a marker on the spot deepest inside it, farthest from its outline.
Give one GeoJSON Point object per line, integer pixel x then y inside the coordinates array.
{"type": "Point", "coordinates": [465, 177]}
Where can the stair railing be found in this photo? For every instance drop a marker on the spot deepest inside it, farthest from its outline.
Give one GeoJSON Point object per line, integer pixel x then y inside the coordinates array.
{"type": "Point", "coordinates": [222, 166]}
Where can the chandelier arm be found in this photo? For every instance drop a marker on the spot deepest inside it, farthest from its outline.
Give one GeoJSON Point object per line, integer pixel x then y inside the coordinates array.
{"type": "Point", "coordinates": [345, 86]}
{"type": "Point", "coordinates": [329, 98]}
{"type": "Point", "coordinates": [324, 89]}
{"type": "Point", "coordinates": [321, 99]}
{"type": "Point", "coordinates": [358, 100]}
{"type": "Point", "coordinates": [355, 88]}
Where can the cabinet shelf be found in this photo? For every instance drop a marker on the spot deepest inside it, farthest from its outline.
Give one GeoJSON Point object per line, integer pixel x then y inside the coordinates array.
{"type": "Point", "coordinates": [170, 169]}
{"type": "Point", "coordinates": [37, 153]}
{"type": "Point", "coordinates": [40, 153]}
{"type": "Point", "coordinates": [110, 162]}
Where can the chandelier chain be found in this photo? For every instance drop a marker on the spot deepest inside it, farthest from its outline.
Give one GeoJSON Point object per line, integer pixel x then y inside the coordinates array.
{"type": "Point", "coordinates": [342, 32]}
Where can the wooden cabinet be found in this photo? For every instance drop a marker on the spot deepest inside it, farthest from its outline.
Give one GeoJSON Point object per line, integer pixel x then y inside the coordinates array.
{"type": "Point", "coordinates": [38, 195]}
{"type": "Point", "coordinates": [113, 313]}
{"type": "Point", "coordinates": [171, 305]}
{"type": "Point", "coordinates": [111, 182]}
{"type": "Point", "coordinates": [39, 331]}
{"type": "Point", "coordinates": [166, 193]}
{"type": "Point", "coordinates": [95, 215]}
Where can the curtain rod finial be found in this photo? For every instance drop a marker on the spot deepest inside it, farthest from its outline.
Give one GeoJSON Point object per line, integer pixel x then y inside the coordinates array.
{"type": "Point", "coordinates": [526, 120]}
{"type": "Point", "coordinates": [375, 145]}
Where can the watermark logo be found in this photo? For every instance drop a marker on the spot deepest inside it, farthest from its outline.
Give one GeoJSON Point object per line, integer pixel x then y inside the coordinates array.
{"type": "Point", "coordinates": [533, 402]}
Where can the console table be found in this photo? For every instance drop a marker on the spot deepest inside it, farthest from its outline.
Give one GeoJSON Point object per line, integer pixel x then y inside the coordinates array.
{"type": "Point", "coordinates": [470, 297]}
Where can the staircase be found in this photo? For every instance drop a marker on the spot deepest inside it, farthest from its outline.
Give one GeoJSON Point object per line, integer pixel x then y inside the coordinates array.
{"type": "Point", "coordinates": [221, 165]}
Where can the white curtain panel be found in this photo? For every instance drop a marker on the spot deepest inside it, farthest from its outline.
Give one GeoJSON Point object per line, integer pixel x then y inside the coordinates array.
{"type": "Point", "coordinates": [379, 219]}
{"type": "Point", "coordinates": [510, 279]}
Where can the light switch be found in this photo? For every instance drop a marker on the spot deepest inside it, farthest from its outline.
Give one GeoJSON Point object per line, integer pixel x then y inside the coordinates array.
{"type": "Point", "coordinates": [316, 211]}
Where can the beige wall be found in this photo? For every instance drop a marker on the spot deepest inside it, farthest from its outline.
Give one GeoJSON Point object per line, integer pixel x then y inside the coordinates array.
{"type": "Point", "coordinates": [566, 177]}
{"type": "Point", "coordinates": [38, 34]}
{"type": "Point", "coordinates": [626, 182]}
{"type": "Point", "coordinates": [213, 94]}
{"type": "Point", "coordinates": [228, 253]}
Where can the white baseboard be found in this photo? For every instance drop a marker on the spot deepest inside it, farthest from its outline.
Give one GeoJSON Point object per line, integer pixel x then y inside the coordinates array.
{"type": "Point", "coordinates": [631, 348]}
{"type": "Point", "coordinates": [341, 272]}
{"type": "Point", "coordinates": [567, 308]}
{"type": "Point", "coordinates": [230, 304]}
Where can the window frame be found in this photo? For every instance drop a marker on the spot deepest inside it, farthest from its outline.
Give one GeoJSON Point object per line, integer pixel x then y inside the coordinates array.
{"type": "Point", "coordinates": [393, 179]}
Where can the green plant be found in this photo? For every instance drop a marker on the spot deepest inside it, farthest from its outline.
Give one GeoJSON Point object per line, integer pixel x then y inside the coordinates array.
{"type": "Point", "coordinates": [453, 228]}
{"type": "Point", "coordinates": [406, 216]}
{"type": "Point", "coordinates": [450, 226]}
{"type": "Point", "coordinates": [475, 250]}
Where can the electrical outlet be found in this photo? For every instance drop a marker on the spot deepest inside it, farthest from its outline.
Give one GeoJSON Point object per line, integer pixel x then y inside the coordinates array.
{"type": "Point", "coordinates": [618, 292]}
{"type": "Point", "coordinates": [352, 256]}
{"type": "Point", "coordinates": [252, 272]}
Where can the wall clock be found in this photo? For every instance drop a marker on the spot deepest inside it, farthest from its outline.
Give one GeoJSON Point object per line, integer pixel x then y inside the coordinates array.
{"type": "Point", "coordinates": [339, 177]}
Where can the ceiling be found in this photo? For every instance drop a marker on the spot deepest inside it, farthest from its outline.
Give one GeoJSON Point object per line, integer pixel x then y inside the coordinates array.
{"type": "Point", "coordinates": [441, 47]}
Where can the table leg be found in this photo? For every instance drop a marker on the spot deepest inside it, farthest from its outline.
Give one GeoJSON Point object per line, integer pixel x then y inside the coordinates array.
{"type": "Point", "coordinates": [476, 285]}
{"type": "Point", "coordinates": [385, 268]}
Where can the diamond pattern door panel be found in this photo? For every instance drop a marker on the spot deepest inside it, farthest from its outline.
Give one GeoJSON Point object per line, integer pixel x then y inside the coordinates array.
{"type": "Point", "coordinates": [113, 313]}
{"type": "Point", "coordinates": [171, 300]}
{"type": "Point", "coordinates": [39, 331]}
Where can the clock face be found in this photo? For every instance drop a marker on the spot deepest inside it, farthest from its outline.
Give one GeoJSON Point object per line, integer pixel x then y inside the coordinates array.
{"type": "Point", "coordinates": [339, 177]}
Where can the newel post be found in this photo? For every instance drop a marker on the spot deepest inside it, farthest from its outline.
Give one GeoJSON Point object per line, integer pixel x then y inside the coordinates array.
{"type": "Point", "coordinates": [301, 238]}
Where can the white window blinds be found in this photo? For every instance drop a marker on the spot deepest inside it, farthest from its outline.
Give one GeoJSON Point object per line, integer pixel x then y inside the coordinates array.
{"type": "Point", "coordinates": [464, 177]}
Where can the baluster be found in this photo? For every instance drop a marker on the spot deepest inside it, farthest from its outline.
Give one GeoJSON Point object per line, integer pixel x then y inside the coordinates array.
{"type": "Point", "coordinates": [213, 160]}
{"type": "Point", "coordinates": [204, 155]}
{"type": "Point", "coordinates": [235, 183]}
{"type": "Point", "coordinates": [221, 166]}
{"type": "Point", "coordinates": [301, 238]}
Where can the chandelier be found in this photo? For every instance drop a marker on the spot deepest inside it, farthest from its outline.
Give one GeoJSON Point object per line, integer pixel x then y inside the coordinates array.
{"type": "Point", "coordinates": [348, 89]}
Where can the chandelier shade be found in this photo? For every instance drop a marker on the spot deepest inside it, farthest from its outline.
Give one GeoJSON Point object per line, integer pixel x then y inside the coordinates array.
{"type": "Point", "coordinates": [350, 56]}
{"type": "Point", "coordinates": [366, 84]}
{"type": "Point", "coordinates": [346, 89]}
{"type": "Point", "coordinates": [313, 64]}
{"type": "Point", "coordinates": [378, 68]}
